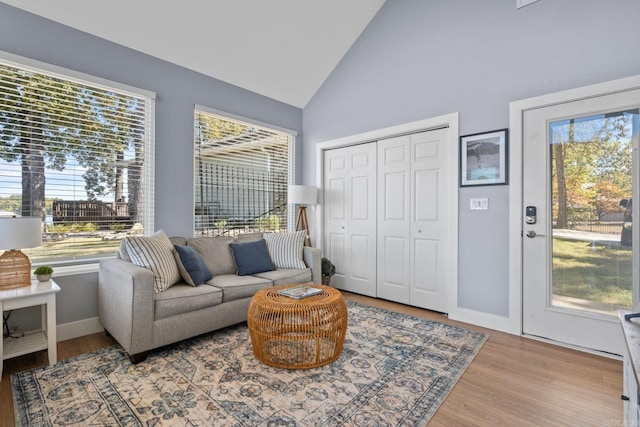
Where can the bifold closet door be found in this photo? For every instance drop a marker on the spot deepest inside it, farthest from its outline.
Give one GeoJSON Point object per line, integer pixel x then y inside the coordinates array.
{"type": "Point", "coordinates": [412, 230]}
{"type": "Point", "coordinates": [394, 219]}
{"type": "Point", "coordinates": [349, 215]}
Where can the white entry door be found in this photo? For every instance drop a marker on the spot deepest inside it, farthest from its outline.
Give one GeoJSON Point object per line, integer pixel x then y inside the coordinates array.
{"type": "Point", "coordinates": [579, 168]}
{"type": "Point", "coordinates": [413, 224]}
{"type": "Point", "coordinates": [350, 217]}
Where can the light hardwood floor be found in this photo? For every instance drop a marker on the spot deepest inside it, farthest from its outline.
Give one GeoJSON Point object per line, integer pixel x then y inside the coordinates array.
{"type": "Point", "coordinates": [513, 381]}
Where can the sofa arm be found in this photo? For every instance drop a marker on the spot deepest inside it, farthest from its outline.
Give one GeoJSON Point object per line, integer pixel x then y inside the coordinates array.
{"type": "Point", "coordinates": [125, 303]}
{"type": "Point", "coordinates": [313, 257]}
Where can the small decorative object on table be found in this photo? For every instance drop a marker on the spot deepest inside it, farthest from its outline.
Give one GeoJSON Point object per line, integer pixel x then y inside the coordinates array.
{"type": "Point", "coordinates": [299, 292]}
{"type": "Point", "coordinates": [43, 273]}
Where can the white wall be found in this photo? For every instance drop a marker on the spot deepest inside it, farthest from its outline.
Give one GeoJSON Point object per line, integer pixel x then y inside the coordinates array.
{"type": "Point", "coordinates": [424, 58]}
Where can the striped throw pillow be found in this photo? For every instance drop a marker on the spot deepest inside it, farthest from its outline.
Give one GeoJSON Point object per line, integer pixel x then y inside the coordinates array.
{"type": "Point", "coordinates": [285, 249]}
{"type": "Point", "coordinates": [156, 254]}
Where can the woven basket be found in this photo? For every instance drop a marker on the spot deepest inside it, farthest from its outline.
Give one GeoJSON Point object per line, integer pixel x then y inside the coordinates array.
{"type": "Point", "coordinates": [15, 270]}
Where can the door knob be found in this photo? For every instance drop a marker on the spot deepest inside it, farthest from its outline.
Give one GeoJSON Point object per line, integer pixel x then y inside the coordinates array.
{"type": "Point", "coordinates": [531, 234]}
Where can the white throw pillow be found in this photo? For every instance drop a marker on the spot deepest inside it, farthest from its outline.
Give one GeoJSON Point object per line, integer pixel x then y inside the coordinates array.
{"type": "Point", "coordinates": [285, 249]}
{"type": "Point", "coordinates": [156, 254]}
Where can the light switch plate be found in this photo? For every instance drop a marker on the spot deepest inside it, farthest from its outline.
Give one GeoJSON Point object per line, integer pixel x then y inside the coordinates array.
{"type": "Point", "coordinates": [479, 204]}
{"type": "Point", "coordinates": [523, 3]}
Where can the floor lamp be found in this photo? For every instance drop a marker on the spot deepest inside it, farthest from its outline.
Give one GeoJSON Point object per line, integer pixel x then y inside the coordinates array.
{"type": "Point", "coordinates": [303, 195]}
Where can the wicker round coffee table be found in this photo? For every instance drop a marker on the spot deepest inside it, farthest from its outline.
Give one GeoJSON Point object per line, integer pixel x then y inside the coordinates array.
{"type": "Point", "coordinates": [297, 334]}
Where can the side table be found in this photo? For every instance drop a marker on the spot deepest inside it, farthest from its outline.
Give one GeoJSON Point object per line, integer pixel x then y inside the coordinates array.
{"type": "Point", "coordinates": [297, 334]}
{"type": "Point", "coordinates": [44, 295]}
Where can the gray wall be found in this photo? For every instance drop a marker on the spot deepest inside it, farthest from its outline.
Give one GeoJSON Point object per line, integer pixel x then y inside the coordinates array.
{"type": "Point", "coordinates": [424, 58]}
{"type": "Point", "coordinates": [177, 90]}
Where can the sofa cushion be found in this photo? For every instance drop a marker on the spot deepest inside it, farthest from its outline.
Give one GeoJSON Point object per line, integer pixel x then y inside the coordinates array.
{"type": "Point", "coordinates": [156, 254]}
{"type": "Point", "coordinates": [283, 276]}
{"type": "Point", "coordinates": [182, 298]}
{"type": "Point", "coordinates": [251, 257]}
{"type": "Point", "coordinates": [192, 268]}
{"type": "Point", "coordinates": [286, 249]}
{"type": "Point", "coordinates": [236, 287]}
{"type": "Point", "coordinates": [249, 237]}
{"type": "Point", "coordinates": [177, 240]}
{"type": "Point", "coordinates": [122, 252]}
{"type": "Point", "coordinates": [215, 252]}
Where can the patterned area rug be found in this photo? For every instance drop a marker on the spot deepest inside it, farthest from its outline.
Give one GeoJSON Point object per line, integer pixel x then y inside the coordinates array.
{"type": "Point", "coordinates": [395, 370]}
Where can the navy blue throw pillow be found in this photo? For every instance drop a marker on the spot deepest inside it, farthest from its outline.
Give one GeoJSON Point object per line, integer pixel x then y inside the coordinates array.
{"type": "Point", "coordinates": [251, 257]}
{"type": "Point", "coordinates": [191, 265]}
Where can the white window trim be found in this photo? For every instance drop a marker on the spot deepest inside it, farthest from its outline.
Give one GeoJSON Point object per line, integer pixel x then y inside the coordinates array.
{"type": "Point", "coordinates": [292, 152]}
{"type": "Point", "coordinates": [67, 268]}
{"type": "Point", "coordinates": [68, 74]}
{"type": "Point", "coordinates": [232, 116]}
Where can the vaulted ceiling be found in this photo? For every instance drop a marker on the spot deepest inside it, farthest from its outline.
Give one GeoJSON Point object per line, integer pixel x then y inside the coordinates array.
{"type": "Point", "coordinates": [283, 49]}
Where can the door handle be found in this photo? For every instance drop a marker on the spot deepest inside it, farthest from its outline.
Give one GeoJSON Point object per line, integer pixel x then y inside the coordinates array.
{"type": "Point", "coordinates": [531, 234]}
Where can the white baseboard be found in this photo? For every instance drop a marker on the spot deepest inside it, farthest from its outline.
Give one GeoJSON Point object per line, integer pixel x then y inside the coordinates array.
{"type": "Point", "coordinates": [491, 321]}
{"type": "Point", "coordinates": [67, 331]}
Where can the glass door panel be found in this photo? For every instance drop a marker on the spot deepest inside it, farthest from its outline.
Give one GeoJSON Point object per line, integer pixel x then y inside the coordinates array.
{"type": "Point", "coordinates": [591, 208]}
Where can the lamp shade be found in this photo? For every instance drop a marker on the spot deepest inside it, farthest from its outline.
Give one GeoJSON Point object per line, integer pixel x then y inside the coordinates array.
{"type": "Point", "coordinates": [20, 233]}
{"type": "Point", "coordinates": [302, 195]}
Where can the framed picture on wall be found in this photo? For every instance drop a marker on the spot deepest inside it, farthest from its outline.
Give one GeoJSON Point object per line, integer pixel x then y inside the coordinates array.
{"type": "Point", "coordinates": [483, 158]}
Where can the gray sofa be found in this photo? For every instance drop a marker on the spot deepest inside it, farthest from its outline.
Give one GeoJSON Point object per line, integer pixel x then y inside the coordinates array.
{"type": "Point", "coordinates": [142, 319]}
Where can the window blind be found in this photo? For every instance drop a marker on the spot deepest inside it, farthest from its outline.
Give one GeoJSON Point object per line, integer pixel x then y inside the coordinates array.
{"type": "Point", "coordinates": [242, 172]}
{"type": "Point", "coordinates": [77, 154]}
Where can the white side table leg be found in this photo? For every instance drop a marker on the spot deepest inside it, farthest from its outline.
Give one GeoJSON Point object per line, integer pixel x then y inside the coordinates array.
{"type": "Point", "coordinates": [51, 329]}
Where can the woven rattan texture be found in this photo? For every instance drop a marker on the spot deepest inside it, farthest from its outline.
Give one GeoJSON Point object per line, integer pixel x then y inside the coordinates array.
{"type": "Point", "coordinates": [297, 334]}
{"type": "Point", "coordinates": [15, 270]}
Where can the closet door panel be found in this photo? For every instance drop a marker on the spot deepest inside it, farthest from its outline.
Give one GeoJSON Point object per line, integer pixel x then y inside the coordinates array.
{"type": "Point", "coordinates": [429, 223]}
{"type": "Point", "coordinates": [362, 219]}
{"type": "Point", "coordinates": [350, 216]}
{"type": "Point", "coordinates": [335, 213]}
{"type": "Point", "coordinates": [362, 275]}
{"type": "Point", "coordinates": [336, 200]}
{"type": "Point", "coordinates": [425, 202]}
{"type": "Point", "coordinates": [394, 210]}
{"type": "Point", "coordinates": [360, 206]}
{"type": "Point", "coordinates": [335, 251]}
{"type": "Point", "coordinates": [395, 198]}
{"type": "Point", "coordinates": [425, 264]}
{"type": "Point", "coordinates": [395, 275]}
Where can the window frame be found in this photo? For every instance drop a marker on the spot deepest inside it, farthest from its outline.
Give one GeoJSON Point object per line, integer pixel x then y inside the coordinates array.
{"type": "Point", "coordinates": [71, 265]}
{"type": "Point", "coordinates": [291, 163]}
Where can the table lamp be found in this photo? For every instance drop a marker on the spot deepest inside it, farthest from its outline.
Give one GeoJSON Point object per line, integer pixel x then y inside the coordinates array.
{"type": "Point", "coordinates": [302, 195]}
{"type": "Point", "coordinates": [16, 234]}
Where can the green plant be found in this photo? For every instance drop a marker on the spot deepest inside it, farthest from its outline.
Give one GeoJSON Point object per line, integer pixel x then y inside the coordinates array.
{"type": "Point", "coordinates": [221, 225]}
{"type": "Point", "coordinates": [269, 222]}
{"type": "Point", "coordinates": [116, 227]}
{"type": "Point", "coordinates": [43, 269]}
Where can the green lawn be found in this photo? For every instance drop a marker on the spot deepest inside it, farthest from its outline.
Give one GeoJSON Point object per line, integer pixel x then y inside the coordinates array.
{"type": "Point", "coordinates": [592, 272]}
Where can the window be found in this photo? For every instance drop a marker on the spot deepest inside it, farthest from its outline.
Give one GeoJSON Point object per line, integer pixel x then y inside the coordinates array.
{"type": "Point", "coordinates": [242, 172]}
{"type": "Point", "coordinates": [76, 153]}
